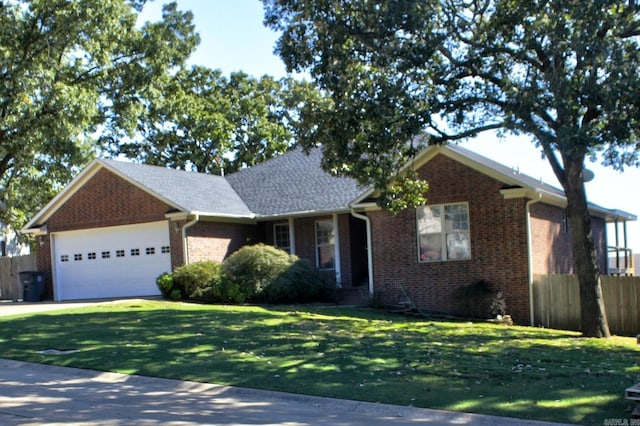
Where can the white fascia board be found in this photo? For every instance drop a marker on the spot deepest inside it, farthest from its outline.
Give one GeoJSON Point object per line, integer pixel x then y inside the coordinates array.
{"type": "Point", "coordinates": [177, 215]}
{"type": "Point", "coordinates": [307, 213]}
{"type": "Point", "coordinates": [369, 206]}
{"type": "Point", "coordinates": [42, 230]}
{"type": "Point", "coordinates": [212, 217]}
{"type": "Point", "coordinates": [615, 214]}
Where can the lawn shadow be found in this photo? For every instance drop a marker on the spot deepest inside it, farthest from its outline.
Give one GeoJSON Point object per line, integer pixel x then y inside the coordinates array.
{"type": "Point", "coordinates": [348, 353]}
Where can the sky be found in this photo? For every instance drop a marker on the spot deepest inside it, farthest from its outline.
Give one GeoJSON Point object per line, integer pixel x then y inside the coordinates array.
{"type": "Point", "coordinates": [233, 38]}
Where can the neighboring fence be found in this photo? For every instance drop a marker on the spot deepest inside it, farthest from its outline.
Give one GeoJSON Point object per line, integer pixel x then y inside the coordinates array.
{"type": "Point", "coordinates": [556, 300]}
{"type": "Point", "coordinates": [10, 286]}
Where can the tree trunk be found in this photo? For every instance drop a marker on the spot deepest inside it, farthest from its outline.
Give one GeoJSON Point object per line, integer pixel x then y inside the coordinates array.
{"type": "Point", "coordinates": [594, 319]}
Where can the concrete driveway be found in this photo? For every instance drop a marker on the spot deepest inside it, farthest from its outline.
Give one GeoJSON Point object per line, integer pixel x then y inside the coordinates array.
{"type": "Point", "coordinates": [38, 394]}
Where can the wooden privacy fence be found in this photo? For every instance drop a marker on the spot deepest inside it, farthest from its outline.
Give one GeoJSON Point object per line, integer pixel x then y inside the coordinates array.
{"type": "Point", "coordinates": [10, 286]}
{"type": "Point", "coordinates": [556, 301]}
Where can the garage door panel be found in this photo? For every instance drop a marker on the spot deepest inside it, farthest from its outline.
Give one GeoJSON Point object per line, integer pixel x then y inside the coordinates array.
{"type": "Point", "coordinates": [111, 262]}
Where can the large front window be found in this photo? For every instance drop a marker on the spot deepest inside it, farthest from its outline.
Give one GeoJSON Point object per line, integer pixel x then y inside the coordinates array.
{"type": "Point", "coordinates": [443, 232]}
{"type": "Point", "coordinates": [325, 245]}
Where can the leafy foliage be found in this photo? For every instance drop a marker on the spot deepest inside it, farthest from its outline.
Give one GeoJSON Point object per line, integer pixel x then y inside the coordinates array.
{"type": "Point", "coordinates": [476, 299]}
{"type": "Point", "coordinates": [211, 123]}
{"type": "Point", "coordinates": [258, 273]}
{"type": "Point", "coordinates": [267, 274]}
{"type": "Point", "coordinates": [196, 280]}
{"type": "Point", "coordinates": [256, 267]}
{"type": "Point", "coordinates": [299, 283]}
{"type": "Point", "coordinates": [168, 288]}
{"type": "Point", "coordinates": [564, 72]}
{"type": "Point", "coordinates": [74, 73]}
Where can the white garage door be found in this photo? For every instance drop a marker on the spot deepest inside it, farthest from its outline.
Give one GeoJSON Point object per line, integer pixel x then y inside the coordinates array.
{"type": "Point", "coordinates": [122, 261]}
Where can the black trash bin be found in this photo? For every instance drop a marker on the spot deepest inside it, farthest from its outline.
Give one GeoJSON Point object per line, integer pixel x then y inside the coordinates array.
{"type": "Point", "coordinates": [33, 286]}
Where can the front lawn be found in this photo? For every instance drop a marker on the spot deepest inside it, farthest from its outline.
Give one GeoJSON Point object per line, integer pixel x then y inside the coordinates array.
{"type": "Point", "coordinates": [342, 352]}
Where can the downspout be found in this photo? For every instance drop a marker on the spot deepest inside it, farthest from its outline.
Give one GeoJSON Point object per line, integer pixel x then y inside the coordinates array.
{"type": "Point", "coordinates": [530, 256]}
{"type": "Point", "coordinates": [367, 222]}
{"type": "Point", "coordinates": [336, 250]}
{"type": "Point", "coordinates": [185, 248]}
{"type": "Point", "coordinates": [292, 236]}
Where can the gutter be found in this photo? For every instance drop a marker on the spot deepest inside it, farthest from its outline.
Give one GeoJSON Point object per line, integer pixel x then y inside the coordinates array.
{"type": "Point", "coordinates": [185, 248]}
{"type": "Point", "coordinates": [530, 254]}
{"type": "Point", "coordinates": [369, 251]}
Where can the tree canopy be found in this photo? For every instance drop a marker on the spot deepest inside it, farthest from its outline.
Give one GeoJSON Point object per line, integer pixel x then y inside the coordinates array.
{"type": "Point", "coordinates": [210, 123]}
{"type": "Point", "coordinates": [564, 72]}
{"type": "Point", "coordinates": [72, 73]}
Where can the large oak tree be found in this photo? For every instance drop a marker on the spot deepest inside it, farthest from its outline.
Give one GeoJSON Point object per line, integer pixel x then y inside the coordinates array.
{"type": "Point", "coordinates": [565, 72]}
{"type": "Point", "coordinates": [74, 74]}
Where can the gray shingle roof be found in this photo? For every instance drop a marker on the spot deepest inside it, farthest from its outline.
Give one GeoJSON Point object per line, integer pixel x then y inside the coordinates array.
{"type": "Point", "coordinates": [293, 183]}
{"type": "Point", "coordinates": [290, 184]}
{"type": "Point", "coordinates": [187, 191]}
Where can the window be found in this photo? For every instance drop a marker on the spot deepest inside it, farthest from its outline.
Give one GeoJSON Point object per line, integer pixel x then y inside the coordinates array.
{"type": "Point", "coordinates": [325, 254]}
{"type": "Point", "coordinates": [64, 258]}
{"type": "Point", "coordinates": [443, 232]}
{"type": "Point", "coordinates": [165, 249]}
{"type": "Point", "coordinates": [150, 250]}
{"type": "Point", "coordinates": [91, 256]}
{"type": "Point", "coordinates": [77, 257]}
{"type": "Point", "coordinates": [119, 253]}
{"type": "Point", "coordinates": [106, 254]}
{"type": "Point", "coordinates": [281, 237]}
{"type": "Point", "coordinates": [135, 252]}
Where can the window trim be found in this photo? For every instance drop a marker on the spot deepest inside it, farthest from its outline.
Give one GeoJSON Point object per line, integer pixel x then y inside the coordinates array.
{"type": "Point", "coordinates": [443, 232]}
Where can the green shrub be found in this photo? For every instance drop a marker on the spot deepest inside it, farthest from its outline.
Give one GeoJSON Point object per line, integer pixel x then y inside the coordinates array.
{"type": "Point", "coordinates": [263, 273]}
{"type": "Point", "coordinates": [225, 290]}
{"type": "Point", "coordinates": [166, 285]}
{"type": "Point", "coordinates": [300, 282]}
{"type": "Point", "coordinates": [254, 267]}
{"type": "Point", "coordinates": [197, 280]}
{"type": "Point", "coordinates": [475, 299]}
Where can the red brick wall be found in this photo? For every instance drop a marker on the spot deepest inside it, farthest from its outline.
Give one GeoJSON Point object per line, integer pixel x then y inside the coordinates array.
{"type": "Point", "coordinates": [498, 244]}
{"type": "Point", "coordinates": [107, 200]}
{"type": "Point", "coordinates": [217, 240]}
{"type": "Point", "coordinates": [306, 237]}
{"type": "Point", "coordinates": [552, 250]}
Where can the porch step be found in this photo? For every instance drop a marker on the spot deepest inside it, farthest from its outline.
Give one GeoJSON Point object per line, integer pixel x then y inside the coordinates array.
{"type": "Point", "coordinates": [353, 296]}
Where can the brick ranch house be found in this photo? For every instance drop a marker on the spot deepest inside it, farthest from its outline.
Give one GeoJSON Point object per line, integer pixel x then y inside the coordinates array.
{"type": "Point", "coordinates": [119, 225]}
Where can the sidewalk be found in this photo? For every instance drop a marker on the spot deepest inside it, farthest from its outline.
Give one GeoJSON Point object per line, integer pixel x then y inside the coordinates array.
{"type": "Point", "coordinates": [8, 307]}
{"type": "Point", "coordinates": [38, 394]}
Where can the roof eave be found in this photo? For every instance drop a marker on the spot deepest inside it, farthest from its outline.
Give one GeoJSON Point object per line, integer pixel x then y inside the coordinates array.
{"type": "Point", "coordinates": [304, 213]}
{"type": "Point", "coordinates": [610, 215]}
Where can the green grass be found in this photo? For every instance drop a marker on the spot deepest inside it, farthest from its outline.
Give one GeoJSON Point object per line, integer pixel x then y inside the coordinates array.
{"type": "Point", "coordinates": [345, 353]}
